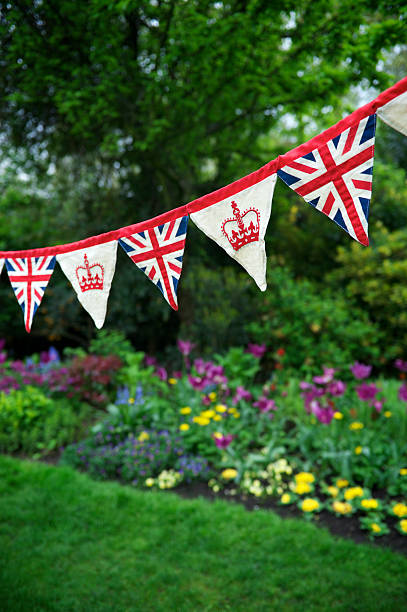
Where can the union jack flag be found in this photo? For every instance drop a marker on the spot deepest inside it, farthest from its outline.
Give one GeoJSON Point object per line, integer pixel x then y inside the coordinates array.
{"type": "Point", "coordinates": [158, 251]}
{"type": "Point", "coordinates": [336, 177]}
{"type": "Point", "coordinates": [29, 278]}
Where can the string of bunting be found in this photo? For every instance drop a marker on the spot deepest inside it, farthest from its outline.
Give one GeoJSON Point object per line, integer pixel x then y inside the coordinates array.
{"type": "Point", "coordinates": [332, 172]}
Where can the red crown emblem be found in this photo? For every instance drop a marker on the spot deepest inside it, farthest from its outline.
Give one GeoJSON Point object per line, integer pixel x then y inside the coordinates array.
{"type": "Point", "coordinates": [242, 229]}
{"type": "Point", "coordinates": [90, 277]}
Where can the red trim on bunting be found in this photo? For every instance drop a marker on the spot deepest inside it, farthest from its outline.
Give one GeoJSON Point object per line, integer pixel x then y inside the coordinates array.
{"type": "Point", "coordinates": [229, 190]}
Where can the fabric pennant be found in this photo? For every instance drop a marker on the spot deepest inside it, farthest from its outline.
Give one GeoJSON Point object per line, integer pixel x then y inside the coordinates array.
{"type": "Point", "coordinates": [90, 272]}
{"type": "Point", "coordinates": [1, 265]}
{"type": "Point", "coordinates": [394, 113]}
{"type": "Point", "coordinates": [238, 224]}
{"type": "Point", "coordinates": [29, 277]}
{"type": "Point", "coordinates": [158, 251]}
{"type": "Point", "coordinates": [336, 177]}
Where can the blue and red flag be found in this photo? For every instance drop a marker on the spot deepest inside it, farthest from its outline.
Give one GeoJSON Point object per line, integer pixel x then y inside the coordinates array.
{"type": "Point", "coordinates": [336, 177]}
{"type": "Point", "coordinates": [158, 251]}
{"type": "Point", "coordinates": [29, 277]}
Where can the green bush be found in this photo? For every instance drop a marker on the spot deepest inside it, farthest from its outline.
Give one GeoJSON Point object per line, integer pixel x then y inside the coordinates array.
{"type": "Point", "coordinates": [313, 326]}
{"type": "Point", "coordinates": [30, 422]}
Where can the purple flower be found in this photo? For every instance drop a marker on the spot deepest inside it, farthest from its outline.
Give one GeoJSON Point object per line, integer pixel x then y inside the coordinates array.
{"type": "Point", "coordinates": [241, 394]}
{"type": "Point", "coordinates": [161, 373]}
{"type": "Point", "coordinates": [324, 414]}
{"type": "Point", "coordinates": [3, 357]}
{"type": "Point", "coordinates": [360, 370]}
{"type": "Point", "coordinates": [403, 393]}
{"type": "Point", "coordinates": [401, 365]}
{"type": "Point", "coordinates": [305, 385]}
{"type": "Point", "coordinates": [377, 405]}
{"type": "Point", "coordinates": [223, 441]}
{"type": "Point", "coordinates": [177, 374]}
{"type": "Point", "coordinates": [2, 343]}
{"type": "Point", "coordinates": [264, 404]}
{"type": "Point", "coordinates": [150, 361]}
{"type": "Point", "coordinates": [257, 350]}
{"type": "Point", "coordinates": [197, 382]}
{"type": "Point", "coordinates": [326, 377]}
{"type": "Point", "coordinates": [185, 347]}
{"type": "Point", "coordinates": [336, 388]}
{"type": "Point", "coordinates": [367, 392]}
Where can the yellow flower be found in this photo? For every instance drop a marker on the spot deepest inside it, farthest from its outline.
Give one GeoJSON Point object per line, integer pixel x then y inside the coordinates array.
{"type": "Point", "coordinates": [353, 492]}
{"type": "Point", "coordinates": [341, 482]}
{"type": "Point", "coordinates": [301, 488]}
{"type": "Point", "coordinates": [369, 504]}
{"type": "Point", "coordinates": [375, 527]}
{"type": "Point", "coordinates": [185, 410]}
{"type": "Point", "coordinates": [403, 472]}
{"type": "Point", "coordinates": [220, 408]}
{"type": "Point", "coordinates": [231, 410]}
{"type": "Point", "coordinates": [285, 499]}
{"type": "Point", "coordinates": [217, 434]}
{"type": "Point", "coordinates": [184, 427]}
{"type": "Point", "coordinates": [341, 507]}
{"type": "Point", "coordinates": [358, 450]}
{"type": "Point", "coordinates": [149, 482]}
{"type": "Point", "coordinates": [333, 491]}
{"type": "Point", "coordinates": [172, 381]}
{"type": "Point", "coordinates": [217, 417]}
{"type": "Point", "coordinates": [236, 415]}
{"type": "Point", "coordinates": [201, 420]}
{"type": "Point", "coordinates": [212, 396]}
{"type": "Point", "coordinates": [207, 414]}
{"type": "Point", "coordinates": [143, 436]}
{"type": "Point", "coordinates": [400, 510]}
{"type": "Point", "coordinates": [229, 473]}
{"type": "Point", "coordinates": [304, 477]}
{"type": "Point", "coordinates": [309, 504]}
{"type": "Point", "coordinates": [338, 415]}
{"type": "Point", "coordinates": [387, 414]}
{"type": "Point", "coordinates": [131, 400]}
{"type": "Point", "coordinates": [356, 425]}
{"type": "Point", "coordinates": [403, 525]}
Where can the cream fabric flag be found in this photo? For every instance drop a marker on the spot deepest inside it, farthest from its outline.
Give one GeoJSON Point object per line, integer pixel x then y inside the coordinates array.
{"type": "Point", "coordinates": [238, 224]}
{"type": "Point", "coordinates": [394, 113]}
{"type": "Point", "coordinates": [90, 272]}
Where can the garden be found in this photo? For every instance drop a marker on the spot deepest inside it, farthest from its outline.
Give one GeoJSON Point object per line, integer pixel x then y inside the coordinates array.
{"type": "Point", "coordinates": [240, 424]}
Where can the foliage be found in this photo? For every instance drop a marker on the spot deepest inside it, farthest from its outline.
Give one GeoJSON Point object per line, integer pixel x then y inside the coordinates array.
{"type": "Point", "coordinates": [30, 422]}
{"type": "Point", "coordinates": [313, 325]}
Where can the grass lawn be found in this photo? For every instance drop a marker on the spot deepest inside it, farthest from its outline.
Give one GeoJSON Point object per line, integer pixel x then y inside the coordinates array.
{"type": "Point", "coordinates": [70, 543]}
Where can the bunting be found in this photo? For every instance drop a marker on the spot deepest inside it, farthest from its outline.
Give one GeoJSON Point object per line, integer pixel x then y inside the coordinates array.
{"type": "Point", "coordinates": [238, 224]}
{"type": "Point", "coordinates": [336, 177]}
{"type": "Point", "coordinates": [158, 251]}
{"type": "Point", "coordinates": [29, 277]}
{"type": "Point", "coordinates": [394, 113]}
{"type": "Point", "coordinates": [90, 272]}
{"type": "Point", "coordinates": [332, 172]}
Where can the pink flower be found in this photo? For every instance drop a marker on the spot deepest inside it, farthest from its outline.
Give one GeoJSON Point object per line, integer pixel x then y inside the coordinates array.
{"type": "Point", "coordinates": [324, 414]}
{"type": "Point", "coordinates": [360, 370]}
{"type": "Point", "coordinates": [326, 377]}
{"type": "Point", "coordinates": [185, 347]}
{"type": "Point", "coordinates": [161, 373]}
{"type": "Point", "coordinates": [257, 350]}
{"type": "Point", "coordinates": [401, 365]}
{"type": "Point", "coordinates": [177, 374]}
{"type": "Point", "coordinates": [377, 405]}
{"type": "Point", "coordinates": [403, 393]}
{"type": "Point", "coordinates": [150, 361]}
{"type": "Point", "coordinates": [264, 404]}
{"type": "Point", "coordinates": [367, 392]}
{"type": "Point", "coordinates": [241, 394]}
{"type": "Point", "coordinates": [336, 388]}
{"type": "Point", "coordinates": [223, 441]}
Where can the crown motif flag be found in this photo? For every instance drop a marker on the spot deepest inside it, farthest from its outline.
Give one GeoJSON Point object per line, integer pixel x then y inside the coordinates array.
{"type": "Point", "coordinates": [394, 113]}
{"type": "Point", "coordinates": [158, 252]}
{"type": "Point", "coordinates": [238, 224]}
{"type": "Point", "coordinates": [336, 177]}
{"type": "Point", "coordinates": [90, 272]}
{"type": "Point", "coordinates": [29, 277]}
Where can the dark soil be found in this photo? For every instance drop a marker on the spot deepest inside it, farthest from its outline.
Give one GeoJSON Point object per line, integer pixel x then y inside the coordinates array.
{"type": "Point", "coordinates": [344, 527]}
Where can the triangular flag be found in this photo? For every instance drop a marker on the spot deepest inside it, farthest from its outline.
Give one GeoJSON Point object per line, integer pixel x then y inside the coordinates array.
{"type": "Point", "coordinates": [158, 251]}
{"type": "Point", "coordinates": [394, 113]}
{"type": "Point", "coordinates": [1, 265]}
{"type": "Point", "coordinates": [238, 224]}
{"type": "Point", "coordinates": [90, 272]}
{"type": "Point", "coordinates": [29, 277]}
{"type": "Point", "coordinates": [336, 177]}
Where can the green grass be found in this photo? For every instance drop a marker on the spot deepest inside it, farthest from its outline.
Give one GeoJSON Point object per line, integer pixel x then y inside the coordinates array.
{"type": "Point", "coordinates": [71, 544]}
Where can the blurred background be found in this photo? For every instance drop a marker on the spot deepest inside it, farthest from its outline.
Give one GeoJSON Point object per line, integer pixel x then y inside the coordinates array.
{"type": "Point", "coordinates": [115, 111]}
